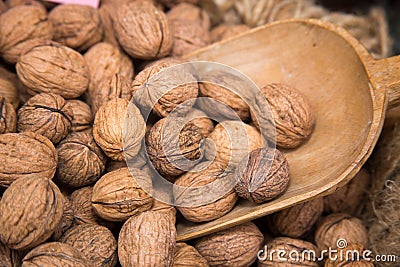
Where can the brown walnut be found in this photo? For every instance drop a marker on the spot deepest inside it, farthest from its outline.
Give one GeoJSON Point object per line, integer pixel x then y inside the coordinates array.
{"type": "Point", "coordinates": [47, 114]}
{"type": "Point", "coordinates": [26, 155]}
{"type": "Point", "coordinates": [236, 246]}
{"type": "Point", "coordinates": [262, 176]}
{"type": "Point", "coordinates": [188, 256]}
{"type": "Point", "coordinates": [142, 30]}
{"type": "Point", "coordinates": [53, 68]}
{"type": "Point", "coordinates": [30, 210]}
{"type": "Point", "coordinates": [76, 26]}
{"type": "Point", "coordinates": [14, 3]}
{"type": "Point", "coordinates": [83, 117]}
{"type": "Point", "coordinates": [66, 220]}
{"type": "Point", "coordinates": [8, 88]}
{"type": "Point", "coordinates": [8, 117]}
{"type": "Point", "coordinates": [10, 257]}
{"type": "Point", "coordinates": [192, 14]}
{"type": "Point", "coordinates": [80, 160]}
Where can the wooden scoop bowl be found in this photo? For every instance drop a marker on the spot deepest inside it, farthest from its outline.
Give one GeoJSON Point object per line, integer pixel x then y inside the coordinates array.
{"type": "Point", "coordinates": [347, 88]}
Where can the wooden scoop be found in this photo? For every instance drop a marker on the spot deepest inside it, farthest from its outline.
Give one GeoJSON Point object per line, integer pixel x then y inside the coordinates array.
{"type": "Point", "coordinates": [348, 90]}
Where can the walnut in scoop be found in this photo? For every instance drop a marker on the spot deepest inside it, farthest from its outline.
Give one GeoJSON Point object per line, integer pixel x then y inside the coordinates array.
{"type": "Point", "coordinates": [188, 256]}
{"type": "Point", "coordinates": [8, 117]}
{"type": "Point", "coordinates": [46, 114]}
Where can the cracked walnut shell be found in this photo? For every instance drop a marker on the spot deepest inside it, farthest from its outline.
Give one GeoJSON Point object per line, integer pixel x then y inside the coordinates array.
{"type": "Point", "coordinates": [30, 210]}
{"type": "Point", "coordinates": [8, 117]}
{"type": "Point", "coordinates": [46, 114]}
{"type": "Point", "coordinates": [142, 30]}
{"type": "Point", "coordinates": [188, 256]}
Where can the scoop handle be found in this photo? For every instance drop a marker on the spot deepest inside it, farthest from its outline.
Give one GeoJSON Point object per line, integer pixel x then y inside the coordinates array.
{"type": "Point", "coordinates": [385, 74]}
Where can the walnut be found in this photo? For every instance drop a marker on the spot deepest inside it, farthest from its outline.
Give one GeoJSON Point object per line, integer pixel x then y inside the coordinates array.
{"type": "Point", "coordinates": [188, 256]}
{"type": "Point", "coordinates": [350, 256]}
{"type": "Point", "coordinates": [236, 246]}
{"type": "Point", "coordinates": [76, 26]}
{"type": "Point", "coordinates": [297, 220]}
{"type": "Point", "coordinates": [348, 198]}
{"type": "Point", "coordinates": [232, 141]}
{"type": "Point", "coordinates": [201, 120]}
{"type": "Point", "coordinates": [83, 117]}
{"type": "Point", "coordinates": [8, 117]}
{"type": "Point", "coordinates": [339, 226]}
{"type": "Point", "coordinates": [151, 90]}
{"type": "Point", "coordinates": [30, 210]}
{"type": "Point", "coordinates": [172, 3]}
{"type": "Point", "coordinates": [53, 68]}
{"type": "Point", "coordinates": [80, 161]}
{"type": "Point", "coordinates": [172, 149]}
{"type": "Point", "coordinates": [143, 31]}
{"type": "Point", "coordinates": [20, 24]}
{"type": "Point", "coordinates": [188, 198]}
{"type": "Point", "coordinates": [55, 254]}
{"type": "Point", "coordinates": [170, 211]}
{"type": "Point", "coordinates": [66, 220]}
{"type": "Point", "coordinates": [26, 155]}
{"type": "Point", "coordinates": [294, 118]}
{"type": "Point", "coordinates": [108, 130]}
{"type": "Point", "coordinates": [10, 257]}
{"type": "Point", "coordinates": [155, 235]}
{"type": "Point", "coordinates": [95, 242]}
{"type": "Point", "coordinates": [190, 13]}
{"type": "Point", "coordinates": [8, 87]}
{"type": "Point", "coordinates": [118, 195]}
{"type": "Point", "coordinates": [46, 114]}
{"type": "Point", "coordinates": [286, 251]}
{"type": "Point", "coordinates": [224, 31]}
{"type": "Point", "coordinates": [262, 176]}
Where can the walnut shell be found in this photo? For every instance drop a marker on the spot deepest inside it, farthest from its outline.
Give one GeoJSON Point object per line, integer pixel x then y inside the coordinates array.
{"type": "Point", "coordinates": [142, 30]}
{"type": "Point", "coordinates": [118, 196]}
{"type": "Point", "coordinates": [76, 26]}
{"type": "Point", "coordinates": [169, 210]}
{"type": "Point", "coordinates": [224, 31]}
{"type": "Point", "coordinates": [155, 95]}
{"type": "Point", "coordinates": [338, 226]}
{"type": "Point", "coordinates": [287, 248]}
{"type": "Point", "coordinates": [83, 117]}
{"type": "Point", "coordinates": [202, 175]}
{"type": "Point", "coordinates": [46, 114]}
{"type": "Point", "coordinates": [236, 246]}
{"type": "Point", "coordinates": [19, 25]}
{"type": "Point", "coordinates": [348, 198]}
{"type": "Point", "coordinates": [230, 144]}
{"type": "Point", "coordinates": [66, 220]}
{"type": "Point", "coordinates": [147, 239]}
{"type": "Point", "coordinates": [8, 88]}
{"type": "Point", "coordinates": [188, 256]}
{"type": "Point", "coordinates": [169, 147]}
{"type": "Point", "coordinates": [349, 257]}
{"type": "Point", "coordinates": [297, 220]}
{"type": "Point", "coordinates": [201, 120]}
{"type": "Point", "coordinates": [95, 242]}
{"type": "Point", "coordinates": [53, 68]}
{"type": "Point", "coordinates": [263, 175]}
{"type": "Point", "coordinates": [293, 116]}
{"type": "Point", "coordinates": [26, 155]}
{"type": "Point", "coordinates": [55, 254]}
{"type": "Point", "coordinates": [192, 14]}
{"type": "Point", "coordinates": [8, 117]}
{"type": "Point", "coordinates": [30, 210]}
{"type": "Point", "coordinates": [109, 125]}
{"type": "Point", "coordinates": [9, 257]}
{"type": "Point", "coordinates": [172, 3]}
{"type": "Point", "coordinates": [14, 3]}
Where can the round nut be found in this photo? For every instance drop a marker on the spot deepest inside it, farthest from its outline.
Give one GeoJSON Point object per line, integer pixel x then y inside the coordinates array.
{"type": "Point", "coordinates": [188, 256]}
{"type": "Point", "coordinates": [236, 246]}
{"type": "Point", "coordinates": [26, 155]}
{"type": "Point", "coordinates": [8, 117]}
{"type": "Point", "coordinates": [30, 210]}
{"type": "Point", "coordinates": [80, 161]}
{"type": "Point", "coordinates": [46, 114]}
{"type": "Point", "coordinates": [262, 176]}
{"type": "Point", "coordinates": [142, 30]}
{"type": "Point", "coordinates": [83, 117]}
{"type": "Point", "coordinates": [53, 68]}
{"type": "Point", "coordinates": [201, 120]}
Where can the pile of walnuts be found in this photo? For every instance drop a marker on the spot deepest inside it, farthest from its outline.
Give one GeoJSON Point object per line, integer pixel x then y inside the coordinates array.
{"type": "Point", "coordinates": [70, 75]}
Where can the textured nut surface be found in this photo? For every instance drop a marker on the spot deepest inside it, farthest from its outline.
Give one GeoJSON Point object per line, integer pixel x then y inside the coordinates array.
{"type": "Point", "coordinates": [26, 155]}
{"type": "Point", "coordinates": [236, 246]}
{"type": "Point", "coordinates": [147, 239]}
{"type": "Point", "coordinates": [66, 220]}
{"type": "Point", "coordinates": [14, 3]}
{"type": "Point", "coordinates": [8, 117]}
{"type": "Point", "coordinates": [8, 89]}
{"type": "Point", "coordinates": [340, 226]}
{"type": "Point", "coordinates": [188, 256]}
{"type": "Point", "coordinates": [289, 247]}
{"type": "Point", "coordinates": [186, 198]}
{"type": "Point", "coordinates": [192, 14]}
{"type": "Point", "coordinates": [9, 257]}
{"type": "Point", "coordinates": [293, 116]}
{"type": "Point", "coordinates": [296, 221]}
{"type": "Point", "coordinates": [108, 128]}
{"type": "Point", "coordinates": [83, 117]}
{"type": "Point", "coordinates": [142, 30]}
{"type": "Point", "coordinates": [30, 210]}
{"type": "Point", "coordinates": [263, 175]}
{"type": "Point", "coordinates": [118, 195]}
{"type": "Point", "coordinates": [20, 24]}
{"type": "Point", "coordinates": [80, 160]}
{"type": "Point", "coordinates": [54, 68]}
{"type": "Point", "coordinates": [46, 114]}
{"type": "Point", "coordinates": [76, 26]}
{"type": "Point", "coordinates": [95, 242]}
{"type": "Point", "coordinates": [352, 260]}
{"type": "Point", "coordinates": [54, 254]}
